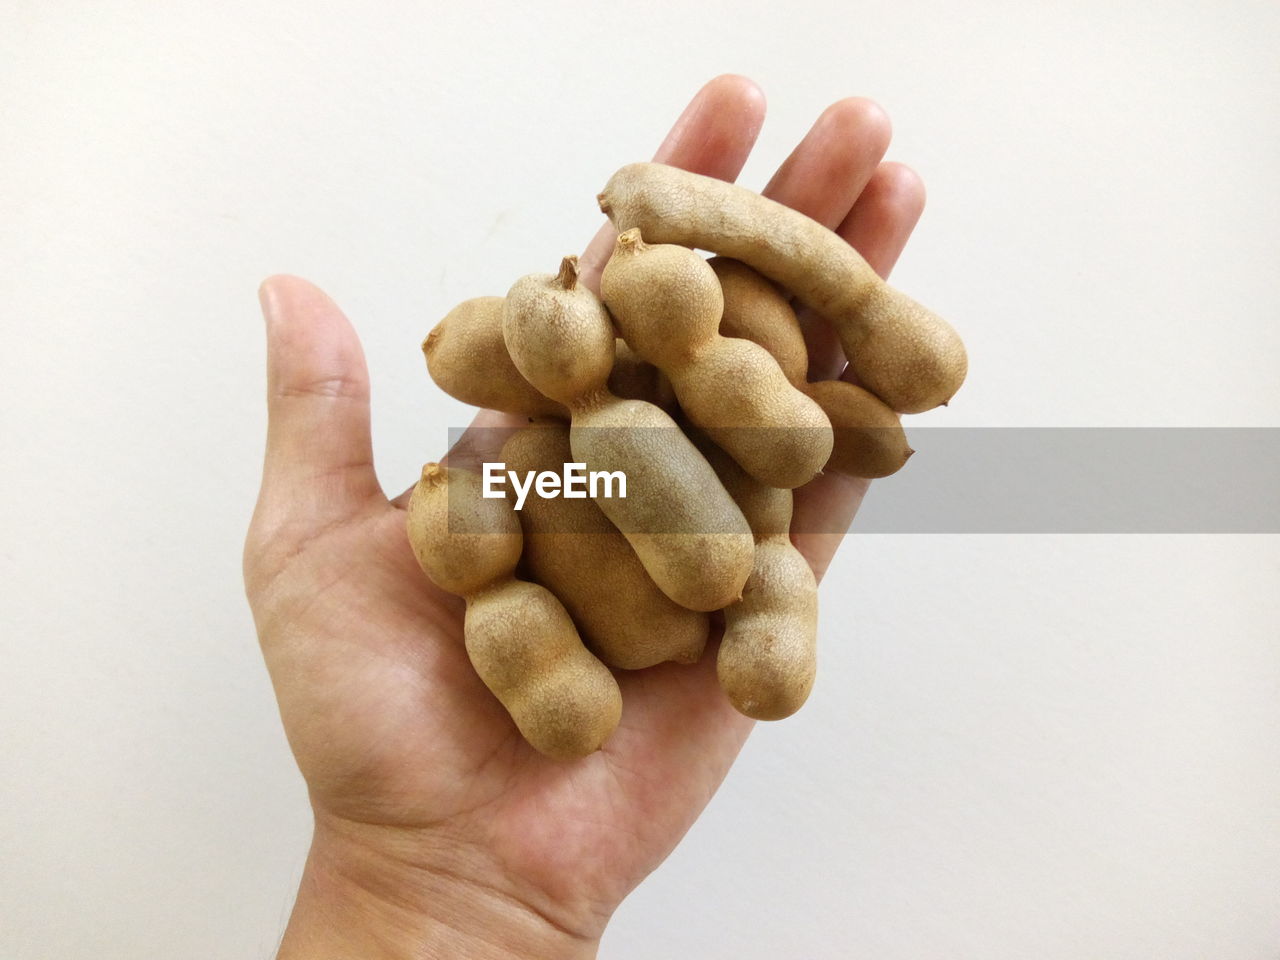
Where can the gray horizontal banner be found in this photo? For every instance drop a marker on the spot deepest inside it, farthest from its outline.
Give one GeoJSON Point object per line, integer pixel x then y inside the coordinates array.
{"type": "Point", "coordinates": [1040, 480]}
{"type": "Point", "coordinates": [1081, 480]}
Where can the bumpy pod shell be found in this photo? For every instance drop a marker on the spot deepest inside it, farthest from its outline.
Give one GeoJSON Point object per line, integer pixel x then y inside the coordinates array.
{"type": "Point", "coordinates": [572, 549]}
{"type": "Point", "coordinates": [768, 657]}
{"type": "Point", "coordinates": [519, 637]}
{"type": "Point", "coordinates": [867, 434]}
{"type": "Point", "coordinates": [468, 359]}
{"type": "Point", "coordinates": [691, 538]}
{"type": "Point", "coordinates": [667, 303]}
{"type": "Point", "coordinates": [903, 353]}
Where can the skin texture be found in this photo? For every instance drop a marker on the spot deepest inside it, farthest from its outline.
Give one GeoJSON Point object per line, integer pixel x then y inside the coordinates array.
{"type": "Point", "coordinates": [519, 638]}
{"type": "Point", "coordinates": [438, 830]}
{"type": "Point", "coordinates": [572, 549]}
{"type": "Point", "coordinates": [691, 538]}
{"type": "Point", "coordinates": [468, 360]}
{"type": "Point", "coordinates": [867, 435]}
{"type": "Point", "coordinates": [667, 303]}
{"type": "Point", "coordinates": [768, 655]}
{"type": "Point", "coordinates": [904, 354]}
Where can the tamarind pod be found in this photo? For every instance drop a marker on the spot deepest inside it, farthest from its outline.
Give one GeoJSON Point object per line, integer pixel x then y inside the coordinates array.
{"type": "Point", "coordinates": [902, 352]}
{"type": "Point", "coordinates": [691, 538]}
{"type": "Point", "coordinates": [572, 549]}
{"type": "Point", "coordinates": [768, 655]}
{"type": "Point", "coordinates": [519, 638]}
{"type": "Point", "coordinates": [468, 360]}
{"type": "Point", "coordinates": [867, 435]}
{"type": "Point", "coordinates": [667, 303]}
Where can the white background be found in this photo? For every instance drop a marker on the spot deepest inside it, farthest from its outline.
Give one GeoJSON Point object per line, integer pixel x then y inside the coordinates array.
{"type": "Point", "coordinates": [1032, 746]}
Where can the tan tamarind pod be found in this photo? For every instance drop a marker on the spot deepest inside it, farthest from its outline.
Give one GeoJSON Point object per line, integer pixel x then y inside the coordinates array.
{"type": "Point", "coordinates": [519, 637]}
{"type": "Point", "coordinates": [667, 303]}
{"type": "Point", "coordinates": [572, 549]}
{"type": "Point", "coordinates": [869, 441]}
{"type": "Point", "coordinates": [468, 360]}
{"type": "Point", "coordinates": [868, 437]}
{"type": "Point", "coordinates": [756, 310]}
{"type": "Point", "coordinates": [768, 656]}
{"type": "Point", "coordinates": [903, 353]}
{"type": "Point", "coordinates": [686, 530]}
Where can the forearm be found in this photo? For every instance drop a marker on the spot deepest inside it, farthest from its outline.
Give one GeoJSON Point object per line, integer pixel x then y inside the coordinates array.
{"type": "Point", "coordinates": [357, 904]}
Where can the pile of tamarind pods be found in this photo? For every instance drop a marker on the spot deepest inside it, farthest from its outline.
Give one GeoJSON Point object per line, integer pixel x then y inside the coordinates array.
{"type": "Point", "coordinates": [688, 376]}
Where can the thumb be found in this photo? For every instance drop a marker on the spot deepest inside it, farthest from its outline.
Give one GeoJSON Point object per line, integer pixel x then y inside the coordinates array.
{"type": "Point", "coordinates": [319, 460]}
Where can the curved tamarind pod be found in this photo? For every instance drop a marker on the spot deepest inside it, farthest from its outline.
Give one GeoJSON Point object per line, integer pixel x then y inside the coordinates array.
{"type": "Point", "coordinates": [869, 441]}
{"type": "Point", "coordinates": [868, 437]}
{"type": "Point", "coordinates": [519, 638]}
{"type": "Point", "coordinates": [691, 538]}
{"type": "Point", "coordinates": [906, 355]}
{"type": "Point", "coordinates": [468, 360]}
{"type": "Point", "coordinates": [667, 304]}
{"type": "Point", "coordinates": [572, 549]}
{"type": "Point", "coordinates": [768, 656]}
{"type": "Point", "coordinates": [756, 310]}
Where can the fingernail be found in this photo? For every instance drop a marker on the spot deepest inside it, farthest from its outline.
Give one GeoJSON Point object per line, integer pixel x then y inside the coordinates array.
{"type": "Point", "coordinates": [268, 301]}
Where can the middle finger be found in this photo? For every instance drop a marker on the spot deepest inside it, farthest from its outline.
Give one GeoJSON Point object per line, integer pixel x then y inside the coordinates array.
{"type": "Point", "coordinates": [823, 178]}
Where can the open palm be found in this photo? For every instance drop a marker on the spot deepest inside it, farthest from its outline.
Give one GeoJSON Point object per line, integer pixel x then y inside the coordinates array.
{"type": "Point", "coordinates": [404, 751]}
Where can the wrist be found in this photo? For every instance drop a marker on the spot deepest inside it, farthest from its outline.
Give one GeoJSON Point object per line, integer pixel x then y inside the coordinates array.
{"type": "Point", "coordinates": [361, 902]}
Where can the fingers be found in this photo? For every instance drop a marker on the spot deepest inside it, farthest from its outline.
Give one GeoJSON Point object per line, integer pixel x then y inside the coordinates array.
{"type": "Point", "coordinates": [828, 169]}
{"type": "Point", "coordinates": [882, 219]}
{"type": "Point", "coordinates": [713, 137]}
{"type": "Point", "coordinates": [319, 459]}
{"type": "Point", "coordinates": [823, 178]}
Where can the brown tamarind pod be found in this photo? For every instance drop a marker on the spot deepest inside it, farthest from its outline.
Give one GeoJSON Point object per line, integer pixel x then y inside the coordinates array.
{"type": "Point", "coordinates": [519, 637]}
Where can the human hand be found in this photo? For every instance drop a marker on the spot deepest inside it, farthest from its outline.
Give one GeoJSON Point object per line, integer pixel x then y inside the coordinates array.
{"type": "Point", "coordinates": [439, 831]}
